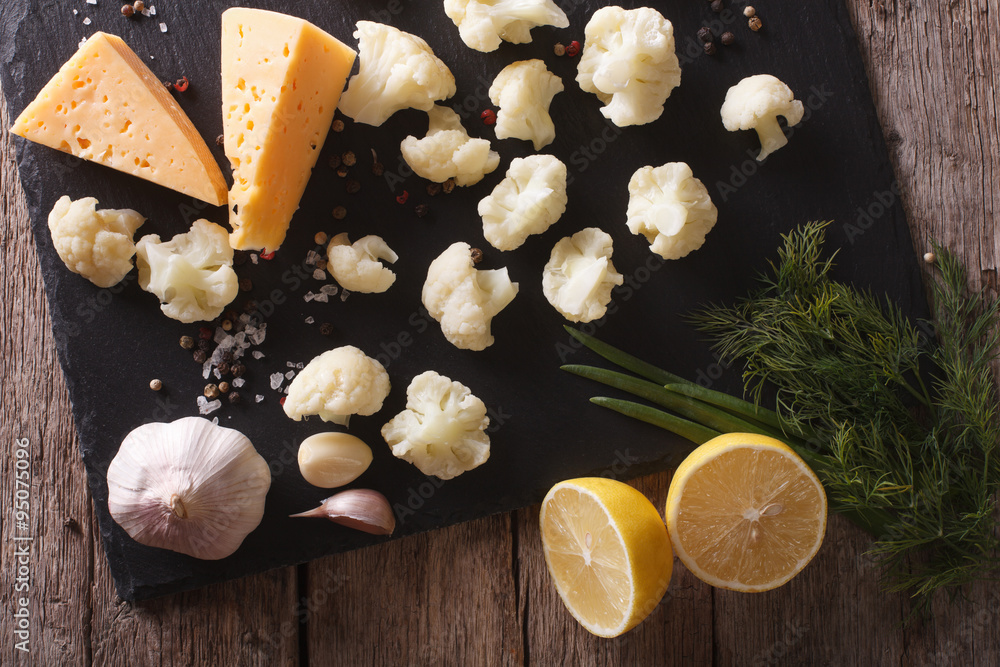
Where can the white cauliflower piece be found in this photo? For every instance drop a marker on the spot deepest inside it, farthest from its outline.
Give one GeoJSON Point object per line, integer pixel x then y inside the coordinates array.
{"type": "Point", "coordinates": [483, 23]}
{"type": "Point", "coordinates": [192, 273]}
{"type": "Point", "coordinates": [337, 384]}
{"type": "Point", "coordinates": [398, 71]}
{"type": "Point", "coordinates": [96, 244]}
{"type": "Point", "coordinates": [356, 267]}
{"type": "Point", "coordinates": [524, 91]}
{"type": "Point", "coordinates": [463, 299]}
{"type": "Point", "coordinates": [755, 104]}
{"type": "Point", "coordinates": [448, 151]}
{"type": "Point", "coordinates": [671, 208]}
{"type": "Point", "coordinates": [529, 200]}
{"type": "Point", "coordinates": [629, 62]}
{"type": "Point", "coordinates": [579, 277]}
{"type": "Point", "coordinates": [442, 431]}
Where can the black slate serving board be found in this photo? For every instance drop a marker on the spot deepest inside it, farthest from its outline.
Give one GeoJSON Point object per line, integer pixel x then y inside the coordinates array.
{"type": "Point", "coordinates": [112, 342]}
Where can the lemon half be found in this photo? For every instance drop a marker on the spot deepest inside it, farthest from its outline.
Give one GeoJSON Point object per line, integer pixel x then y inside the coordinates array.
{"type": "Point", "coordinates": [607, 552]}
{"type": "Point", "coordinates": [745, 512]}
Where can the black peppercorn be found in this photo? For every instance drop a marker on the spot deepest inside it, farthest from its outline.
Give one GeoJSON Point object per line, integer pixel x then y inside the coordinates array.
{"type": "Point", "coordinates": [234, 397]}
{"type": "Point", "coordinates": [716, 6]}
{"type": "Point", "coordinates": [378, 168]}
{"type": "Point", "coordinates": [448, 186]}
{"type": "Point", "coordinates": [353, 186]}
{"type": "Point", "coordinates": [342, 171]}
{"type": "Point", "coordinates": [240, 257]}
{"type": "Point", "coordinates": [200, 356]}
{"type": "Point", "coordinates": [246, 284]}
{"type": "Point", "coordinates": [477, 255]}
{"type": "Point", "coordinates": [728, 38]}
{"type": "Point", "coordinates": [334, 161]}
{"type": "Point", "coordinates": [421, 210]}
{"type": "Point", "coordinates": [220, 140]}
{"type": "Point", "coordinates": [710, 48]}
{"type": "Point", "coordinates": [705, 34]}
{"type": "Point", "coordinates": [237, 370]}
{"type": "Point", "coordinates": [338, 125]}
{"type": "Point", "coordinates": [204, 345]}
{"type": "Point", "coordinates": [339, 213]}
{"type": "Point", "coordinates": [187, 342]}
{"type": "Point", "coordinates": [250, 306]}
{"type": "Point", "coordinates": [349, 159]}
{"type": "Point", "coordinates": [223, 368]}
{"type": "Point", "coordinates": [433, 189]}
{"type": "Point", "coordinates": [326, 329]}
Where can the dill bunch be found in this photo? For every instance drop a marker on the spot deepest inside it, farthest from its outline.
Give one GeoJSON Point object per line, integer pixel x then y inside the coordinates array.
{"type": "Point", "coordinates": [900, 424]}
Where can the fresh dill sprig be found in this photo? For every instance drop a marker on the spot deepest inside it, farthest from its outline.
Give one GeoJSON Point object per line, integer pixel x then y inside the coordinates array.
{"type": "Point", "coordinates": [853, 371]}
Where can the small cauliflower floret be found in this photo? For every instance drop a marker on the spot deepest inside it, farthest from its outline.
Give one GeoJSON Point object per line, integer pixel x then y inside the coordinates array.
{"type": "Point", "coordinates": [524, 91]}
{"type": "Point", "coordinates": [579, 277]}
{"type": "Point", "coordinates": [448, 151]}
{"type": "Point", "coordinates": [442, 431]}
{"type": "Point", "coordinates": [483, 23]}
{"type": "Point", "coordinates": [398, 71]}
{"type": "Point", "coordinates": [356, 267]}
{"type": "Point", "coordinates": [463, 299]}
{"type": "Point", "coordinates": [96, 244]}
{"type": "Point", "coordinates": [337, 384]}
{"type": "Point", "coordinates": [755, 104]}
{"type": "Point", "coordinates": [671, 208]}
{"type": "Point", "coordinates": [529, 200]}
{"type": "Point", "coordinates": [629, 62]}
{"type": "Point", "coordinates": [192, 273]}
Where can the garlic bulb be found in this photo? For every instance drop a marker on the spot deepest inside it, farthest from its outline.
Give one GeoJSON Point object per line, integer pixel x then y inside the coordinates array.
{"type": "Point", "coordinates": [361, 509]}
{"type": "Point", "coordinates": [189, 486]}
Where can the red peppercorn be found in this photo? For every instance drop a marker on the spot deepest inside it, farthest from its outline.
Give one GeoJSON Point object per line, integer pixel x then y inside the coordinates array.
{"type": "Point", "coordinates": [489, 117]}
{"type": "Point", "coordinates": [573, 49]}
{"type": "Point", "coordinates": [267, 255]}
{"type": "Point", "coordinates": [282, 401]}
{"type": "Point", "coordinates": [401, 199]}
{"type": "Point", "coordinates": [181, 84]}
{"type": "Point", "coordinates": [205, 333]}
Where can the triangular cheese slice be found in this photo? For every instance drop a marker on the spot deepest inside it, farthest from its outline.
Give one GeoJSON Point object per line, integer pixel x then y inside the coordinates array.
{"type": "Point", "coordinates": [104, 105]}
{"type": "Point", "coordinates": [281, 82]}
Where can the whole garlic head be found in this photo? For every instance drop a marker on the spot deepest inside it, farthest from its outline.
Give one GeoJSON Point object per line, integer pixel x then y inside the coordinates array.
{"type": "Point", "coordinates": [190, 486]}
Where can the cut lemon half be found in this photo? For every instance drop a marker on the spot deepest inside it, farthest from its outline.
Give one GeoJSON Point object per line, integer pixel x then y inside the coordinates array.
{"type": "Point", "coordinates": [607, 552]}
{"type": "Point", "coordinates": [745, 512]}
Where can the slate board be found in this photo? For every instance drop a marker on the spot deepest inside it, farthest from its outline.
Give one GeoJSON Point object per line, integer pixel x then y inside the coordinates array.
{"type": "Point", "coordinates": [112, 342]}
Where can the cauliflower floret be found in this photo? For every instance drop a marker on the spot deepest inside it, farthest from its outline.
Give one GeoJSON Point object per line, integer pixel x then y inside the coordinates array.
{"type": "Point", "coordinates": [463, 299]}
{"type": "Point", "coordinates": [671, 208]}
{"type": "Point", "coordinates": [483, 23]}
{"type": "Point", "coordinates": [442, 431]}
{"type": "Point", "coordinates": [524, 91]}
{"type": "Point", "coordinates": [398, 71]}
{"type": "Point", "coordinates": [192, 273]}
{"type": "Point", "coordinates": [357, 267]}
{"type": "Point", "coordinates": [337, 384]}
{"type": "Point", "coordinates": [579, 277]}
{"type": "Point", "coordinates": [96, 244]}
{"type": "Point", "coordinates": [530, 199]}
{"type": "Point", "coordinates": [629, 62]}
{"type": "Point", "coordinates": [755, 104]}
{"type": "Point", "coordinates": [448, 152]}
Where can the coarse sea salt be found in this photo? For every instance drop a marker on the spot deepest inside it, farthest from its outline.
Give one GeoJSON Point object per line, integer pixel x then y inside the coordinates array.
{"type": "Point", "coordinates": [239, 382]}
{"type": "Point", "coordinates": [91, 2]}
{"type": "Point", "coordinates": [276, 380]}
{"type": "Point", "coordinates": [290, 374]}
{"type": "Point", "coordinates": [163, 27]}
{"type": "Point", "coordinates": [322, 298]}
{"type": "Point", "coordinates": [87, 21]}
{"type": "Point", "coordinates": [258, 398]}
{"type": "Point", "coordinates": [207, 407]}
{"type": "Point", "coordinates": [310, 320]}
{"type": "Point", "coordinates": [257, 354]}
{"type": "Point", "coordinates": [329, 289]}
{"type": "Point", "coordinates": [319, 274]}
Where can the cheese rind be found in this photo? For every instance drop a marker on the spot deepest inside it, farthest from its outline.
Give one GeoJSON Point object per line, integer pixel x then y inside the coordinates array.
{"type": "Point", "coordinates": [281, 81]}
{"type": "Point", "coordinates": [105, 106]}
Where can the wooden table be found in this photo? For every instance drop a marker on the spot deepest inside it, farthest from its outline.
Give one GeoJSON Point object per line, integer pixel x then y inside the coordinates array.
{"type": "Point", "coordinates": [478, 593]}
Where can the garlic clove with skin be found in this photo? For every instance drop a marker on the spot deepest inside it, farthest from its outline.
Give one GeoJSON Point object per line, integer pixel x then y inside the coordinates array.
{"type": "Point", "coordinates": [190, 486]}
{"type": "Point", "coordinates": [360, 509]}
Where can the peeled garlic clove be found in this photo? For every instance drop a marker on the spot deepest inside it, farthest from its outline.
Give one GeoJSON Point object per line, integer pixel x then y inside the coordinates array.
{"type": "Point", "coordinates": [329, 460]}
{"type": "Point", "coordinates": [360, 509]}
{"type": "Point", "coordinates": [190, 486]}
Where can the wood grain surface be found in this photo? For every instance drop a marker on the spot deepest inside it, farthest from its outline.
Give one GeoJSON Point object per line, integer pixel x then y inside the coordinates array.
{"type": "Point", "coordinates": [478, 593]}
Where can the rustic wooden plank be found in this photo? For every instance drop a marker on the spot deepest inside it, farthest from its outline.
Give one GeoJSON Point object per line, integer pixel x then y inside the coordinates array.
{"type": "Point", "coordinates": [36, 407]}
{"type": "Point", "coordinates": [677, 632]}
{"type": "Point", "coordinates": [445, 598]}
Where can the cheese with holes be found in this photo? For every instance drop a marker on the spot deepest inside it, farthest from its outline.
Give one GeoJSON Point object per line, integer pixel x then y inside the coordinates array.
{"type": "Point", "coordinates": [105, 106]}
{"type": "Point", "coordinates": [281, 82]}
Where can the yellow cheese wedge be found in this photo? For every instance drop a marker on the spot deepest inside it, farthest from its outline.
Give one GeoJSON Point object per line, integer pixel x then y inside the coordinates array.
{"type": "Point", "coordinates": [281, 82]}
{"type": "Point", "coordinates": [105, 106]}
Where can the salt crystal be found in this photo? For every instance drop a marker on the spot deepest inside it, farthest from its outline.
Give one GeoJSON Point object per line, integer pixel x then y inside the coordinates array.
{"type": "Point", "coordinates": [220, 335]}
{"type": "Point", "coordinates": [91, 2]}
{"type": "Point", "coordinates": [207, 407]}
{"type": "Point", "coordinates": [312, 257]}
{"type": "Point", "coordinates": [163, 26]}
{"type": "Point", "coordinates": [257, 354]}
{"type": "Point", "coordinates": [253, 258]}
{"type": "Point", "coordinates": [86, 21]}
{"type": "Point", "coordinates": [289, 364]}
{"type": "Point", "coordinates": [310, 320]}
{"type": "Point", "coordinates": [152, 10]}
{"type": "Point", "coordinates": [329, 289]}
{"type": "Point", "coordinates": [258, 398]}
{"type": "Point", "coordinates": [145, 12]}
{"type": "Point", "coordinates": [290, 374]}
{"type": "Point", "coordinates": [308, 296]}
{"type": "Point", "coordinates": [82, 42]}
{"type": "Point", "coordinates": [206, 369]}
{"type": "Point", "coordinates": [344, 295]}
{"type": "Point", "coordinates": [75, 12]}
{"type": "Point", "coordinates": [245, 318]}
{"type": "Point", "coordinates": [322, 298]}
{"type": "Point", "coordinates": [239, 382]}
{"type": "Point", "coordinates": [257, 337]}
{"type": "Point", "coordinates": [319, 274]}
{"type": "Point", "coordinates": [276, 380]}
{"type": "Point", "coordinates": [241, 338]}
{"type": "Point", "coordinates": [201, 400]}
{"type": "Point", "coordinates": [300, 365]}
{"type": "Point", "coordinates": [217, 373]}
